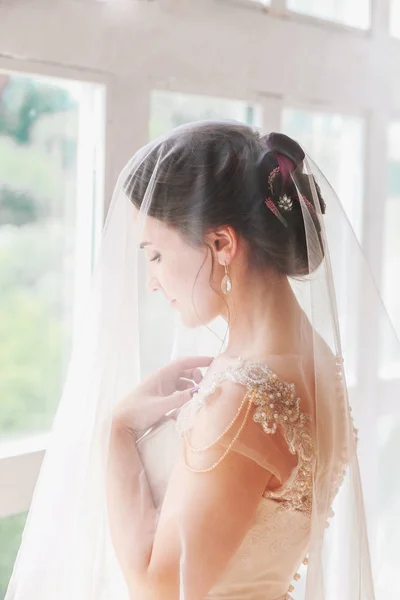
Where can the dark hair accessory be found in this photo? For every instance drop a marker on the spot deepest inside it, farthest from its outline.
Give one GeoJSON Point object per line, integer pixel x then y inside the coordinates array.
{"type": "Point", "coordinates": [287, 155]}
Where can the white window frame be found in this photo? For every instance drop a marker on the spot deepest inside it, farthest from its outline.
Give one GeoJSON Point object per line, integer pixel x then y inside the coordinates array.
{"type": "Point", "coordinates": [20, 460]}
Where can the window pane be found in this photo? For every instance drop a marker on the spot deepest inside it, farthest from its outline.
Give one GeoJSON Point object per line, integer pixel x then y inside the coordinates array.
{"type": "Point", "coordinates": [341, 161]}
{"type": "Point", "coordinates": [356, 13]}
{"type": "Point", "coordinates": [49, 135]}
{"type": "Point", "coordinates": [170, 109]}
{"type": "Point", "coordinates": [391, 252]}
{"type": "Point", "coordinates": [395, 18]}
{"type": "Point", "coordinates": [10, 538]}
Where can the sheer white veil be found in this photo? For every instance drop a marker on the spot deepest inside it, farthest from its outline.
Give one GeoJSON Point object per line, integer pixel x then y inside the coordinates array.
{"type": "Point", "coordinates": [126, 333]}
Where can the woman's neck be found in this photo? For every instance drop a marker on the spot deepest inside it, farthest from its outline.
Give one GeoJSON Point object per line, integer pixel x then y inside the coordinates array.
{"type": "Point", "coordinates": [265, 318]}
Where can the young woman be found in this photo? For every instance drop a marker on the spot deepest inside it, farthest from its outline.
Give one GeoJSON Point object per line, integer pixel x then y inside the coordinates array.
{"type": "Point", "coordinates": [225, 225]}
{"type": "Point", "coordinates": [215, 475]}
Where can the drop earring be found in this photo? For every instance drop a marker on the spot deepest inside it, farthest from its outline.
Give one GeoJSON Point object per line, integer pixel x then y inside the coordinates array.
{"type": "Point", "coordinates": [226, 283]}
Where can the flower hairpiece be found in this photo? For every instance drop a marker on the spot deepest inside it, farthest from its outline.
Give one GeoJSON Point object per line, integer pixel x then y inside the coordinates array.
{"type": "Point", "coordinates": [284, 202]}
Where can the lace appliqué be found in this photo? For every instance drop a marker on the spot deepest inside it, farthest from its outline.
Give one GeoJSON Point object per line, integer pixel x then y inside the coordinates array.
{"type": "Point", "coordinates": [276, 404]}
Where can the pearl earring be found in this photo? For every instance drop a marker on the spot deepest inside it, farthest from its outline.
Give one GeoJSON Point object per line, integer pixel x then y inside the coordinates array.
{"type": "Point", "coordinates": [226, 283]}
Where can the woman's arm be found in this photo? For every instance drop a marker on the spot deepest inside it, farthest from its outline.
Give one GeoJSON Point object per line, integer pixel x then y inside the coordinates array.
{"type": "Point", "coordinates": [131, 512]}
{"type": "Point", "coordinates": [204, 517]}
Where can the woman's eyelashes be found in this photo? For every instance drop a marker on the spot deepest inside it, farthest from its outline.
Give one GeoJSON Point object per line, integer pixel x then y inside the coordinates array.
{"type": "Point", "coordinates": [156, 258]}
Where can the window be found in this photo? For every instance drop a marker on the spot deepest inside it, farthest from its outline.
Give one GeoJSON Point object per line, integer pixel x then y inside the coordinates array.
{"type": "Point", "coordinates": [51, 204]}
{"type": "Point", "coordinates": [391, 252]}
{"type": "Point", "coordinates": [50, 210]}
{"type": "Point", "coordinates": [395, 18]}
{"type": "Point", "coordinates": [170, 109]}
{"type": "Point", "coordinates": [335, 142]}
{"type": "Point", "coordinates": [355, 13]}
{"type": "Point", "coordinates": [10, 539]}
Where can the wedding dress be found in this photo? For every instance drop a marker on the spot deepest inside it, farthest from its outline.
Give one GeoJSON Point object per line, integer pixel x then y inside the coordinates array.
{"type": "Point", "coordinates": [266, 563]}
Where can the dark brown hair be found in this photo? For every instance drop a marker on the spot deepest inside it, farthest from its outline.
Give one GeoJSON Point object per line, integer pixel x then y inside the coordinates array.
{"type": "Point", "coordinates": [213, 174]}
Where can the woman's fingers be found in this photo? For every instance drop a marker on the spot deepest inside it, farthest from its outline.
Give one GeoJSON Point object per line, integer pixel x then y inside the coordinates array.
{"type": "Point", "coordinates": [185, 384]}
{"type": "Point", "coordinates": [194, 374]}
{"type": "Point", "coordinates": [165, 381]}
{"type": "Point", "coordinates": [179, 398]}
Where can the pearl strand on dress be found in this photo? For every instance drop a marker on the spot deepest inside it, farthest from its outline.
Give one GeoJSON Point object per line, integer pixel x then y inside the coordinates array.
{"type": "Point", "coordinates": [189, 447]}
{"type": "Point", "coordinates": [235, 438]}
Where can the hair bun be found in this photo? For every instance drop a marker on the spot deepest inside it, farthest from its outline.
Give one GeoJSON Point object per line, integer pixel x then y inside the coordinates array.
{"type": "Point", "coordinates": [284, 145]}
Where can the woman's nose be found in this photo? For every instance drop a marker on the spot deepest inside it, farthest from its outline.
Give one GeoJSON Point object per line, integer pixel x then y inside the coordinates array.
{"type": "Point", "coordinates": [152, 284]}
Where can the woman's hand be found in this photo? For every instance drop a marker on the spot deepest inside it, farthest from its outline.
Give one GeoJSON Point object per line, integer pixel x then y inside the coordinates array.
{"type": "Point", "coordinates": [166, 389]}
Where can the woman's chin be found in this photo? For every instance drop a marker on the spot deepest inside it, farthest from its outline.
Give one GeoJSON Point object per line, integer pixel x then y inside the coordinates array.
{"type": "Point", "coordinates": [190, 323]}
{"type": "Point", "coordinates": [193, 321]}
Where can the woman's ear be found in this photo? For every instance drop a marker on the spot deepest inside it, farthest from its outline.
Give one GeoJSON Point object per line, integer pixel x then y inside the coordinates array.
{"type": "Point", "coordinates": [224, 243]}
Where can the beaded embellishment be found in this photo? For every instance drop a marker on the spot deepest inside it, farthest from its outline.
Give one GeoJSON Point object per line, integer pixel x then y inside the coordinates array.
{"type": "Point", "coordinates": [275, 404]}
{"type": "Point", "coordinates": [278, 404]}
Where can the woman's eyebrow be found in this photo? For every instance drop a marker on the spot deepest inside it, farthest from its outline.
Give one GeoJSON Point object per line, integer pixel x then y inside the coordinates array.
{"type": "Point", "coordinates": [143, 244]}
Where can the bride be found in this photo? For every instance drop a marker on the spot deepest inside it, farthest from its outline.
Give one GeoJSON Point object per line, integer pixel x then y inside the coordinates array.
{"type": "Point", "coordinates": [217, 475]}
